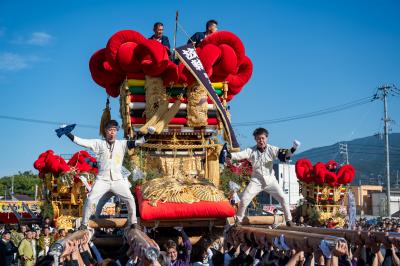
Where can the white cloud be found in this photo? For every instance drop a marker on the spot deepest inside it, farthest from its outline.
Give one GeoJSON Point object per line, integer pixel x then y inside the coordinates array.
{"type": "Point", "coordinates": [15, 62]}
{"type": "Point", "coordinates": [39, 38]}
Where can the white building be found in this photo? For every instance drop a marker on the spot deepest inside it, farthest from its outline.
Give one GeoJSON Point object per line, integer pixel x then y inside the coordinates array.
{"type": "Point", "coordinates": [379, 203]}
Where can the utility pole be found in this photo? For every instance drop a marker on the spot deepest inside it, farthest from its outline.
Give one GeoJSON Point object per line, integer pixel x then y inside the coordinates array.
{"type": "Point", "coordinates": [12, 187]}
{"type": "Point", "coordinates": [382, 94]}
{"type": "Point", "coordinates": [344, 152]}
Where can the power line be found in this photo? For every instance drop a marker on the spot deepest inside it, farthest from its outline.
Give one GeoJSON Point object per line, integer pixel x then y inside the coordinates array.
{"type": "Point", "coordinates": [375, 153]}
{"type": "Point", "coordinates": [31, 120]}
{"type": "Point", "coordinates": [320, 112]}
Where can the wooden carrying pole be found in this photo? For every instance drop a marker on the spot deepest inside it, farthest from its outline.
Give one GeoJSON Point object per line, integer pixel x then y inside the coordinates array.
{"type": "Point", "coordinates": [295, 240]}
{"type": "Point", "coordinates": [259, 220]}
{"type": "Point", "coordinates": [352, 236]}
{"type": "Point", "coordinates": [122, 222]}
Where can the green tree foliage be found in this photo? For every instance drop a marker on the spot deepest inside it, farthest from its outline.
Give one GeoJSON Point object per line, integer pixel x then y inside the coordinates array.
{"type": "Point", "coordinates": [24, 183]}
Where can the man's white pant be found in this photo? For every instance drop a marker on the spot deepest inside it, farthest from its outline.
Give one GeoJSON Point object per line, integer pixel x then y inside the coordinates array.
{"type": "Point", "coordinates": [103, 200]}
{"type": "Point", "coordinates": [120, 188]}
{"type": "Point", "coordinates": [272, 187]}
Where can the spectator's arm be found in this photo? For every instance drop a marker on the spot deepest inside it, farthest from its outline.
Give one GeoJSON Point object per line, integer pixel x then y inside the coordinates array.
{"type": "Point", "coordinates": [96, 252]}
{"type": "Point", "coordinates": [21, 250]}
{"type": "Point", "coordinates": [395, 258]}
{"type": "Point", "coordinates": [77, 257]}
{"type": "Point", "coordinates": [295, 259]}
{"type": "Point", "coordinates": [309, 260]}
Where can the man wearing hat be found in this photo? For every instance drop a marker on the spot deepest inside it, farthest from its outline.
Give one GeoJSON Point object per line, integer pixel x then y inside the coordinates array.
{"type": "Point", "coordinates": [110, 155]}
{"type": "Point", "coordinates": [263, 177]}
{"type": "Point", "coordinates": [7, 249]}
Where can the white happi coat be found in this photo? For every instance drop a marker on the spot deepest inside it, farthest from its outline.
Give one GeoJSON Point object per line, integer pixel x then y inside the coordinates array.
{"type": "Point", "coordinates": [262, 179]}
{"type": "Point", "coordinates": [110, 165]}
{"type": "Point", "coordinates": [262, 162]}
{"type": "Point", "coordinates": [110, 178]}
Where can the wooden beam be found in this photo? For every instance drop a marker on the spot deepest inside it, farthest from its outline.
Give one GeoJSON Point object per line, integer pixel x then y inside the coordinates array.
{"type": "Point", "coordinates": [295, 240]}
{"type": "Point", "coordinates": [122, 222]}
{"type": "Point", "coordinates": [108, 223]}
{"type": "Point", "coordinates": [352, 236]}
{"type": "Point", "coordinates": [259, 220]}
{"type": "Point", "coordinates": [109, 241]}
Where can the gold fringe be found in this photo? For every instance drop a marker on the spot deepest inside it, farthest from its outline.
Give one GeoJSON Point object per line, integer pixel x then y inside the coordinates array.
{"type": "Point", "coordinates": [105, 117]}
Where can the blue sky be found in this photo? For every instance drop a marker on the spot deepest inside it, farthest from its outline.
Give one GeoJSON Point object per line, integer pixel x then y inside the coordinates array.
{"type": "Point", "coordinates": [307, 55]}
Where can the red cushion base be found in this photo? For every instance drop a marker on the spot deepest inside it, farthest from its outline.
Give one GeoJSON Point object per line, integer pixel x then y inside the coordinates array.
{"type": "Point", "coordinates": [168, 210]}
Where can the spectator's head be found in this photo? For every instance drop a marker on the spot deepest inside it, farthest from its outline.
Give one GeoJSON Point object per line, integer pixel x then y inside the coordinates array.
{"type": "Point", "coordinates": [158, 29]}
{"type": "Point", "coordinates": [111, 129]}
{"type": "Point", "coordinates": [47, 220]}
{"type": "Point", "coordinates": [62, 233]}
{"type": "Point", "coordinates": [22, 228]}
{"type": "Point", "coordinates": [261, 137]}
{"type": "Point", "coordinates": [301, 220]}
{"type": "Point", "coordinates": [46, 231]}
{"type": "Point", "coordinates": [275, 211]}
{"type": "Point", "coordinates": [211, 26]}
{"type": "Point", "coordinates": [6, 235]}
{"type": "Point", "coordinates": [171, 249]}
{"type": "Point", "coordinates": [28, 234]}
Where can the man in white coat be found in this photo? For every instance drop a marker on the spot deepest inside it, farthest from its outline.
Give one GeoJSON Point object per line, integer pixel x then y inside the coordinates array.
{"type": "Point", "coordinates": [263, 177]}
{"type": "Point", "coordinates": [110, 153]}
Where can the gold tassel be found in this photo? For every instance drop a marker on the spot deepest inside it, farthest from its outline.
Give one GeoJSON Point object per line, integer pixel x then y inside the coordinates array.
{"type": "Point", "coordinates": [105, 118]}
{"type": "Point", "coordinates": [164, 121]}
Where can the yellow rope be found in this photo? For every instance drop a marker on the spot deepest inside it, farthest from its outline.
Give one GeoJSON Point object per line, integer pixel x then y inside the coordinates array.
{"type": "Point", "coordinates": [177, 146]}
{"type": "Point", "coordinates": [140, 83]}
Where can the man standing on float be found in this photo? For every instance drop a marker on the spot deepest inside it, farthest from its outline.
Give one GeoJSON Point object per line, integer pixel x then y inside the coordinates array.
{"type": "Point", "coordinates": [263, 177]}
{"type": "Point", "coordinates": [110, 155]}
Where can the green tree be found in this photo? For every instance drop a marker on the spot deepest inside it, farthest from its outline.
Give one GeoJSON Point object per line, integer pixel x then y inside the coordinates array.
{"type": "Point", "coordinates": [24, 183]}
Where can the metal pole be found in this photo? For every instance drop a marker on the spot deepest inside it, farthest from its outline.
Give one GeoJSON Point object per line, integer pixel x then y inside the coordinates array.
{"type": "Point", "coordinates": [386, 120]}
{"type": "Point", "coordinates": [288, 165]}
{"type": "Point", "coordinates": [12, 187]}
{"type": "Point", "coordinates": [175, 33]}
